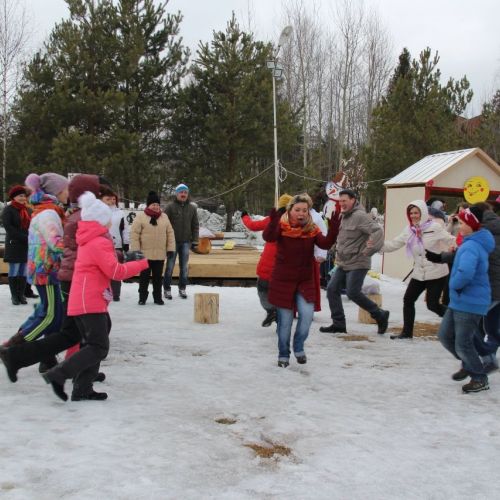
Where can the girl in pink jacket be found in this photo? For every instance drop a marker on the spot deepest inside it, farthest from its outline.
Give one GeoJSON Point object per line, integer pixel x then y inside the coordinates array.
{"type": "Point", "coordinates": [96, 264]}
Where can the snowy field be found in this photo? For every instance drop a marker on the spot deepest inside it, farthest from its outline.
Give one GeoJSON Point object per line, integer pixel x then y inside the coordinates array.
{"type": "Point", "coordinates": [374, 419]}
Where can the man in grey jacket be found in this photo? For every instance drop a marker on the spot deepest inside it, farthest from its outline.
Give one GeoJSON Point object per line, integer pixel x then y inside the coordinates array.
{"type": "Point", "coordinates": [183, 216]}
{"type": "Point", "coordinates": [352, 262]}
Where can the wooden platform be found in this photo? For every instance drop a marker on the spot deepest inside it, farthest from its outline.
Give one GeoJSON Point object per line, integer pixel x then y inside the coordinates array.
{"type": "Point", "coordinates": [241, 263]}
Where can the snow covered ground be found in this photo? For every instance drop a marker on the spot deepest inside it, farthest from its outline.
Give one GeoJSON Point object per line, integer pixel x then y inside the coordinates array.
{"type": "Point", "coordinates": [374, 419]}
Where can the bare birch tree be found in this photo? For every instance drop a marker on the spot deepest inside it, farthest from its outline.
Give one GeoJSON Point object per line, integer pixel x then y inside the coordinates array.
{"type": "Point", "coordinates": [13, 40]}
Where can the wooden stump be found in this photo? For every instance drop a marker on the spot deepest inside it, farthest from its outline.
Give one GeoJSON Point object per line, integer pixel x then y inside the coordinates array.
{"type": "Point", "coordinates": [363, 316]}
{"type": "Point", "coordinates": [204, 246]}
{"type": "Point", "coordinates": [206, 307]}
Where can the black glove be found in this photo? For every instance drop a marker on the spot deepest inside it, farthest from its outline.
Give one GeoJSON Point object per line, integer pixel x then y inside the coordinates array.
{"type": "Point", "coordinates": [281, 210]}
{"type": "Point", "coordinates": [433, 257]}
{"type": "Point", "coordinates": [125, 247]}
{"type": "Point", "coordinates": [243, 213]}
{"type": "Point", "coordinates": [170, 255]}
{"type": "Point", "coordinates": [194, 246]}
{"type": "Point", "coordinates": [133, 255]}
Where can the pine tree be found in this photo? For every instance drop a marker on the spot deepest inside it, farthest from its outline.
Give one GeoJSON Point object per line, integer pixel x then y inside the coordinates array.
{"type": "Point", "coordinates": [99, 97]}
{"type": "Point", "coordinates": [415, 119]}
{"type": "Point", "coordinates": [487, 136]}
{"type": "Point", "coordinates": [224, 119]}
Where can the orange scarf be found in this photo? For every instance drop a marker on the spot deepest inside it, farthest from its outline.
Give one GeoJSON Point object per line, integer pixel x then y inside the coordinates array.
{"type": "Point", "coordinates": [49, 205]}
{"type": "Point", "coordinates": [309, 230]}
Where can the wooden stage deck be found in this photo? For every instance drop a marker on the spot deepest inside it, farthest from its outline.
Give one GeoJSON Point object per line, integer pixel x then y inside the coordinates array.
{"type": "Point", "coordinates": [239, 263]}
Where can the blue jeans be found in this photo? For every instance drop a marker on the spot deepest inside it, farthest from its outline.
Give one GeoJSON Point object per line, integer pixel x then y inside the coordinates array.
{"type": "Point", "coordinates": [17, 269]}
{"type": "Point", "coordinates": [487, 346]}
{"type": "Point", "coordinates": [182, 249]}
{"type": "Point", "coordinates": [456, 333]}
{"type": "Point", "coordinates": [305, 312]}
{"type": "Point", "coordinates": [352, 281]}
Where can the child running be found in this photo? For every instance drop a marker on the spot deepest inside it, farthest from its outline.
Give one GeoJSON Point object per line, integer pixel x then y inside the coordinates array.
{"type": "Point", "coordinates": [96, 264]}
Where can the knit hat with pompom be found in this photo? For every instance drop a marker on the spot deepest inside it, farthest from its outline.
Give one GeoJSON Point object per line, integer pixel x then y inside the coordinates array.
{"type": "Point", "coordinates": [49, 183]}
{"type": "Point", "coordinates": [94, 209]}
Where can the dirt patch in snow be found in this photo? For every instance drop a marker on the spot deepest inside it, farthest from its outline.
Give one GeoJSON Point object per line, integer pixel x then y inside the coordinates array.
{"type": "Point", "coordinates": [269, 450]}
{"type": "Point", "coordinates": [427, 331]}
{"type": "Point", "coordinates": [355, 338]}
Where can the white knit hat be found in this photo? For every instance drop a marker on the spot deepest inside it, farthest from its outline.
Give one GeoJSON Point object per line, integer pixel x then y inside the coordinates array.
{"type": "Point", "coordinates": [94, 209]}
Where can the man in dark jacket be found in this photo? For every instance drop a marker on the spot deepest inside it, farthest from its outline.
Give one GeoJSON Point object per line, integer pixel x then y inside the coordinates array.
{"type": "Point", "coordinates": [352, 262]}
{"type": "Point", "coordinates": [184, 219]}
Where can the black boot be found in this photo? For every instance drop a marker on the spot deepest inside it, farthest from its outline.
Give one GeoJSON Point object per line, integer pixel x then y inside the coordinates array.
{"type": "Point", "coordinates": [333, 328]}
{"type": "Point", "coordinates": [13, 291]}
{"type": "Point", "coordinates": [91, 396]}
{"type": "Point", "coordinates": [29, 293]}
{"type": "Point", "coordinates": [21, 285]}
{"type": "Point", "coordinates": [57, 385]}
{"type": "Point", "coordinates": [402, 335]}
{"type": "Point", "coordinates": [383, 322]}
{"type": "Point", "coordinates": [271, 316]}
{"type": "Point", "coordinates": [9, 365]}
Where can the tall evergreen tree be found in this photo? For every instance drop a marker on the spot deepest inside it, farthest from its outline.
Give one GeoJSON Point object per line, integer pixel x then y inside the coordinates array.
{"type": "Point", "coordinates": [416, 118]}
{"type": "Point", "coordinates": [487, 136]}
{"type": "Point", "coordinates": [99, 96]}
{"type": "Point", "coordinates": [224, 122]}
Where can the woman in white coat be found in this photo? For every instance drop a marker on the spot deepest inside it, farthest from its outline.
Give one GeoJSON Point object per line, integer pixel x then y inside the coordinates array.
{"type": "Point", "coordinates": [421, 234]}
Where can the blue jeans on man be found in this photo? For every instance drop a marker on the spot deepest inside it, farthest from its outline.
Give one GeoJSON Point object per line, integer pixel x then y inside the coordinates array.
{"type": "Point", "coordinates": [305, 311]}
{"type": "Point", "coordinates": [181, 249]}
{"type": "Point", "coordinates": [456, 333]}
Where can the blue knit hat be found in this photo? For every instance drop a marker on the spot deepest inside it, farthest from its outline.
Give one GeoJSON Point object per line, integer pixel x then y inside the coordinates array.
{"type": "Point", "coordinates": [181, 187]}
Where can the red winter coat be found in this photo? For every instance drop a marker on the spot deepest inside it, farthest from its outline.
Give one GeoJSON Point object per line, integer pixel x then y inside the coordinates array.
{"type": "Point", "coordinates": [294, 265]}
{"type": "Point", "coordinates": [266, 261]}
{"type": "Point", "coordinates": [96, 264]}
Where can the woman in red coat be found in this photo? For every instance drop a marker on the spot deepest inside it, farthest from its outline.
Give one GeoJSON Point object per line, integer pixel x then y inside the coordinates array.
{"type": "Point", "coordinates": [266, 261]}
{"type": "Point", "coordinates": [292, 284]}
{"type": "Point", "coordinates": [96, 264]}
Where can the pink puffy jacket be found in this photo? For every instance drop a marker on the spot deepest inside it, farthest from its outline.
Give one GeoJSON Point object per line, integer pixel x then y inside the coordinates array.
{"type": "Point", "coordinates": [95, 266]}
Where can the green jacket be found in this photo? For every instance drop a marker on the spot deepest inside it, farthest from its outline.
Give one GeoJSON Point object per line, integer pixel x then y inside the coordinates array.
{"type": "Point", "coordinates": [356, 228]}
{"type": "Point", "coordinates": [184, 219]}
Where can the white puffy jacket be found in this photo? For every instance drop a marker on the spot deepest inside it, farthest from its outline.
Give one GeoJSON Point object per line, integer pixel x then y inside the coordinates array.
{"type": "Point", "coordinates": [435, 238]}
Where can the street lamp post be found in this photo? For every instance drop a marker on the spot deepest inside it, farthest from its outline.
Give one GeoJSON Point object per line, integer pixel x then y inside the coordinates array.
{"type": "Point", "coordinates": [277, 73]}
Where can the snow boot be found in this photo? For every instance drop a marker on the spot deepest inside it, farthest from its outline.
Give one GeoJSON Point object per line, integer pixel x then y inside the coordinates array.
{"type": "Point", "coordinates": [91, 396]}
{"type": "Point", "coordinates": [283, 364]}
{"type": "Point", "coordinates": [476, 386]}
{"type": "Point", "coordinates": [182, 293]}
{"type": "Point", "coordinates": [302, 360]}
{"type": "Point", "coordinates": [14, 297]}
{"type": "Point", "coordinates": [57, 387]}
{"type": "Point", "coordinates": [29, 293]}
{"type": "Point", "coordinates": [21, 286]}
{"type": "Point", "coordinates": [167, 294]}
{"type": "Point", "coordinates": [270, 318]}
{"type": "Point", "coordinates": [402, 335]}
{"type": "Point", "coordinates": [383, 322]}
{"type": "Point", "coordinates": [9, 366]}
{"type": "Point", "coordinates": [333, 328]}
{"type": "Point", "coordinates": [462, 374]}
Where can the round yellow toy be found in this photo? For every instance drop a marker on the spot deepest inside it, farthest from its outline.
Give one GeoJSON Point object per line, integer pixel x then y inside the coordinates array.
{"type": "Point", "coordinates": [476, 189]}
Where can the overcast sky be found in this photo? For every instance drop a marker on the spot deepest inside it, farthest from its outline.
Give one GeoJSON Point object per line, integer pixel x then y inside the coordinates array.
{"type": "Point", "coordinates": [465, 33]}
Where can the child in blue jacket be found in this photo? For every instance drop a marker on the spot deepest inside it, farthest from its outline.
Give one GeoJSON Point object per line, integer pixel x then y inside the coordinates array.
{"type": "Point", "coordinates": [470, 298]}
